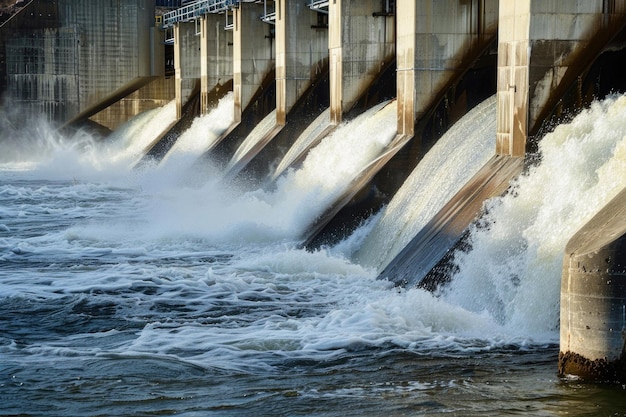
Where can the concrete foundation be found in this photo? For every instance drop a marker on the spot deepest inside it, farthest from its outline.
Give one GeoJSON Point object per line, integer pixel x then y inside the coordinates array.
{"type": "Point", "coordinates": [593, 298]}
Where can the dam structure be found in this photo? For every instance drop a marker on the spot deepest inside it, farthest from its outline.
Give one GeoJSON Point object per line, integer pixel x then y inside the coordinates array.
{"type": "Point", "coordinates": [291, 65]}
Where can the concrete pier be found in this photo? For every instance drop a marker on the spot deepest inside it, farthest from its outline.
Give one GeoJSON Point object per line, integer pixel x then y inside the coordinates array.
{"type": "Point", "coordinates": [301, 54]}
{"type": "Point", "coordinates": [301, 85]}
{"type": "Point", "coordinates": [186, 63]}
{"type": "Point", "coordinates": [543, 47]}
{"type": "Point", "coordinates": [216, 60]}
{"type": "Point", "coordinates": [593, 298]}
{"type": "Point", "coordinates": [253, 54]}
{"type": "Point", "coordinates": [437, 42]}
{"type": "Point", "coordinates": [361, 41]}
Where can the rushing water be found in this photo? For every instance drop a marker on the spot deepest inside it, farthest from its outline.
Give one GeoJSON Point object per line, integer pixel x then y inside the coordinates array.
{"type": "Point", "coordinates": [201, 136]}
{"type": "Point", "coordinates": [126, 293]}
{"type": "Point", "coordinates": [456, 157]}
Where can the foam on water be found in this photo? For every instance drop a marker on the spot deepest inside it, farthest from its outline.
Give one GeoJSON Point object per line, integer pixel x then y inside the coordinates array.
{"type": "Point", "coordinates": [41, 148]}
{"type": "Point", "coordinates": [132, 139]}
{"type": "Point", "coordinates": [223, 215]}
{"type": "Point", "coordinates": [212, 277]}
{"type": "Point", "coordinates": [514, 268]}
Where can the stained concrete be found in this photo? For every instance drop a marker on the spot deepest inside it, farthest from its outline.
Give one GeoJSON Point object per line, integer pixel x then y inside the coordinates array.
{"type": "Point", "coordinates": [593, 297]}
{"type": "Point", "coordinates": [437, 42]}
{"type": "Point", "coordinates": [301, 54]}
{"type": "Point", "coordinates": [253, 54]}
{"type": "Point", "coordinates": [543, 47]}
{"type": "Point", "coordinates": [216, 60]}
{"type": "Point", "coordinates": [360, 44]}
{"type": "Point", "coordinates": [64, 57]}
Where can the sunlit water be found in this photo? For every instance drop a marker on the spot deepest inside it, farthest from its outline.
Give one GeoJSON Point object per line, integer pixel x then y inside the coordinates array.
{"type": "Point", "coordinates": [122, 294]}
{"type": "Point", "coordinates": [455, 158]}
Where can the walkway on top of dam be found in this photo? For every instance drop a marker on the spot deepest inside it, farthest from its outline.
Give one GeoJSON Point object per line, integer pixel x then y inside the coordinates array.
{"type": "Point", "coordinates": [195, 10]}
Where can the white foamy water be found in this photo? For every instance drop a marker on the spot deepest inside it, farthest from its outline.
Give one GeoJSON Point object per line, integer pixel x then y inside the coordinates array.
{"type": "Point", "coordinates": [303, 194]}
{"type": "Point", "coordinates": [514, 269]}
{"type": "Point", "coordinates": [444, 170]}
{"type": "Point", "coordinates": [47, 151]}
{"type": "Point", "coordinates": [304, 142]}
{"type": "Point", "coordinates": [201, 136]}
{"type": "Point", "coordinates": [131, 141]}
{"type": "Point", "coordinates": [253, 139]}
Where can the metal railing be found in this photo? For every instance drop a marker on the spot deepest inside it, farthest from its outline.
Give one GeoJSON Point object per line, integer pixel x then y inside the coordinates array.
{"type": "Point", "coordinates": [318, 5]}
{"type": "Point", "coordinates": [196, 10]}
{"type": "Point", "coordinates": [269, 13]}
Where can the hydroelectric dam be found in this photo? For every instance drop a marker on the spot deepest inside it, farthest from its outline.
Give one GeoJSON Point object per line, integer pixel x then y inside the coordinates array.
{"type": "Point", "coordinates": [288, 74]}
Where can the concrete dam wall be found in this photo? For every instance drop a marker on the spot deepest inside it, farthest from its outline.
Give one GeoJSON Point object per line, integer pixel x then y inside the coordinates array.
{"type": "Point", "coordinates": [68, 59]}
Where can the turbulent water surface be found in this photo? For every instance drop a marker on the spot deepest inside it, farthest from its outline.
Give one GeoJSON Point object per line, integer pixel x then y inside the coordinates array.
{"type": "Point", "coordinates": [132, 293]}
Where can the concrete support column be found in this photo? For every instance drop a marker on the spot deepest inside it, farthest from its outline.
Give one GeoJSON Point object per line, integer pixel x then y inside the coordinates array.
{"type": "Point", "coordinates": [542, 47]}
{"type": "Point", "coordinates": [405, 62]}
{"type": "Point", "coordinates": [301, 52]}
{"type": "Point", "coordinates": [216, 59]}
{"type": "Point", "coordinates": [253, 56]}
{"type": "Point", "coordinates": [178, 77]}
{"type": "Point", "coordinates": [360, 42]}
{"type": "Point", "coordinates": [186, 63]}
{"type": "Point", "coordinates": [436, 42]}
{"type": "Point", "coordinates": [593, 298]}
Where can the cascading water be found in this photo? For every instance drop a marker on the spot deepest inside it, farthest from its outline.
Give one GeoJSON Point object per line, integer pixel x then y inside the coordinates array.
{"type": "Point", "coordinates": [133, 138]}
{"type": "Point", "coordinates": [458, 155]}
{"type": "Point", "coordinates": [514, 268]}
{"type": "Point", "coordinates": [304, 142]}
{"type": "Point", "coordinates": [252, 140]}
{"type": "Point", "coordinates": [330, 167]}
{"type": "Point", "coordinates": [201, 136]}
{"type": "Point", "coordinates": [129, 295]}
{"type": "Point", "coordinates": [41, 146]}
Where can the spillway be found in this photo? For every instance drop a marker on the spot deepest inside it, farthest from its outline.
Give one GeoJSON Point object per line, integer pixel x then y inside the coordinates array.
{"type": "Point", "coordinates": [202, 135]}
{"type": "Point", "coordinates": [458, 155]}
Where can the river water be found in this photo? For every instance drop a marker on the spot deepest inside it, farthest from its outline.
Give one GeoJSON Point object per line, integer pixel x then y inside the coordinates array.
{"type": "Point", "coordinates": [126, 292]}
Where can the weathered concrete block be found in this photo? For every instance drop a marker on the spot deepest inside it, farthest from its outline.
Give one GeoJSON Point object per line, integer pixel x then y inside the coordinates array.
{"type": "Point", "coordinates": [593, 297]}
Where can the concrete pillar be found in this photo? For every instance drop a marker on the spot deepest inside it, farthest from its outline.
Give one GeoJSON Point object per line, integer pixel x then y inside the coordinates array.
{"type": "Point", "coordinates": [360, 42]}
{"type": "Point", "coordinates": [301, 53]}
{"type": "Point", "coordinates": [436, 42]}
{"type": "Point", "coordinates": [593, 298]}
{"type": "Point", "coordinates": [542, 47]}
{"type": "Point", "coordinates": [216, 59]}
{"type": "Point", "coordinates": [253, 56]}
{"type": "Point", "coordinates": [186, 62]}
